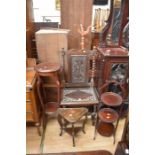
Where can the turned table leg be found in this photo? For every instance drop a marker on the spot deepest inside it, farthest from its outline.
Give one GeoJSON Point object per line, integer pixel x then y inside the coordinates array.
{"type": "Point", "coordinates": [94, 114]}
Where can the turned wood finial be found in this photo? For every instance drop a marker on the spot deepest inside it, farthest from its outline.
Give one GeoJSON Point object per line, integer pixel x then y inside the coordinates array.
{"type": "Point", "coordinates": [83, 33]}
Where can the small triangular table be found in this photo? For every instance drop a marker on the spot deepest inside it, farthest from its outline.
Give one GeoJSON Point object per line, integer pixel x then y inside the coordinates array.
{"type": "Point", "coordinates": [72, 116]}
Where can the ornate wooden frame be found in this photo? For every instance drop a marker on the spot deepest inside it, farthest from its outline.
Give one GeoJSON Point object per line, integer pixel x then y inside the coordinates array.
{"type": "Point", "coordinates": [77, 66]}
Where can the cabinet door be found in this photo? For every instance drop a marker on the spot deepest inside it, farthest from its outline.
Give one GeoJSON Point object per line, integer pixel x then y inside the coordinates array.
{"type": "Point", "coordinates": [117, 70]}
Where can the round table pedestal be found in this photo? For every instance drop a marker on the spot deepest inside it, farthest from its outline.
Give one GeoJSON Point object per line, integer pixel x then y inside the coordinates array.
{"type": "Point", "coordinates": [105, 129]}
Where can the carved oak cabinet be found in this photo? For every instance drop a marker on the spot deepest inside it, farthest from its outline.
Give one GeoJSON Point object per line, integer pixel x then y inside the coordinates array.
{"type": "Point", "coordinates": [114, 66]}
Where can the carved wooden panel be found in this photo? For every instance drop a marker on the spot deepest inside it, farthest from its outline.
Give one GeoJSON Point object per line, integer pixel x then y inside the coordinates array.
{"type": "Point", "coordinates": [78, 68]}
{"type": "Point", "coordinates": [79, 95]}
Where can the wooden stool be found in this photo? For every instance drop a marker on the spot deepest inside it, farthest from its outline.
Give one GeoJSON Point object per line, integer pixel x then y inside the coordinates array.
{"type": "Point", "coordinates": [50, 70]}
{"type": "Point", "coordinates": [71, 116]}
{"type": "Point", "coordinates": [48, 77]}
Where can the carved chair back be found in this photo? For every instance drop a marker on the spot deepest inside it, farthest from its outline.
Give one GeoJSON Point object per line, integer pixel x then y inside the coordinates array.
{"type": "Point", "coordinates": [79, 67]}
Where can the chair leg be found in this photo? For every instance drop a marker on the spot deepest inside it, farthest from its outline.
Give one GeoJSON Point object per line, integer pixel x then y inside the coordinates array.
{"type": "Point", "coordinates": [73, 135]}
{"type": "Point", "coordinates": [95, 132]}
{"type": "Point", "coordinates": [93, 115]}
{"type": "Point", "coordinates": [93, 119]}
{"type": "Point", "coordinates": [84, 122]}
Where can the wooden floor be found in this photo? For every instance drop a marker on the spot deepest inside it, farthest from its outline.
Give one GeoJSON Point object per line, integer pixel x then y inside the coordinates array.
{"type": "Point", "coordinates": [53, 143]}
{"type": "Point", "coordinates": [100, 152]}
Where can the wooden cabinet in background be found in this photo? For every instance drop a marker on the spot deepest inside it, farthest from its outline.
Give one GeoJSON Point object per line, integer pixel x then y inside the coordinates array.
{"type": "Point", "coordinates": [49, 44]}
{"type": "Point", "coordinates": [32, 102]}
{"type": "Point", "coordinates": [115, 66]}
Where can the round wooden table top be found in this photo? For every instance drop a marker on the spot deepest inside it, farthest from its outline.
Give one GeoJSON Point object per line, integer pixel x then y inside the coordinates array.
{"type": "Point", "coordinates": [47, 67]}
{"type": "Point", "coordinates": [105, 129]}
{"type": "Point", "coordinates": [111, 99]}
{"type": "Point", "coordinates": [108, 115]}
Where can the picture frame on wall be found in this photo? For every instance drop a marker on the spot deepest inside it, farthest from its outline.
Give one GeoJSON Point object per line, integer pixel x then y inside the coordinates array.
{"type": "Point", "coordinates": [57, 4]}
